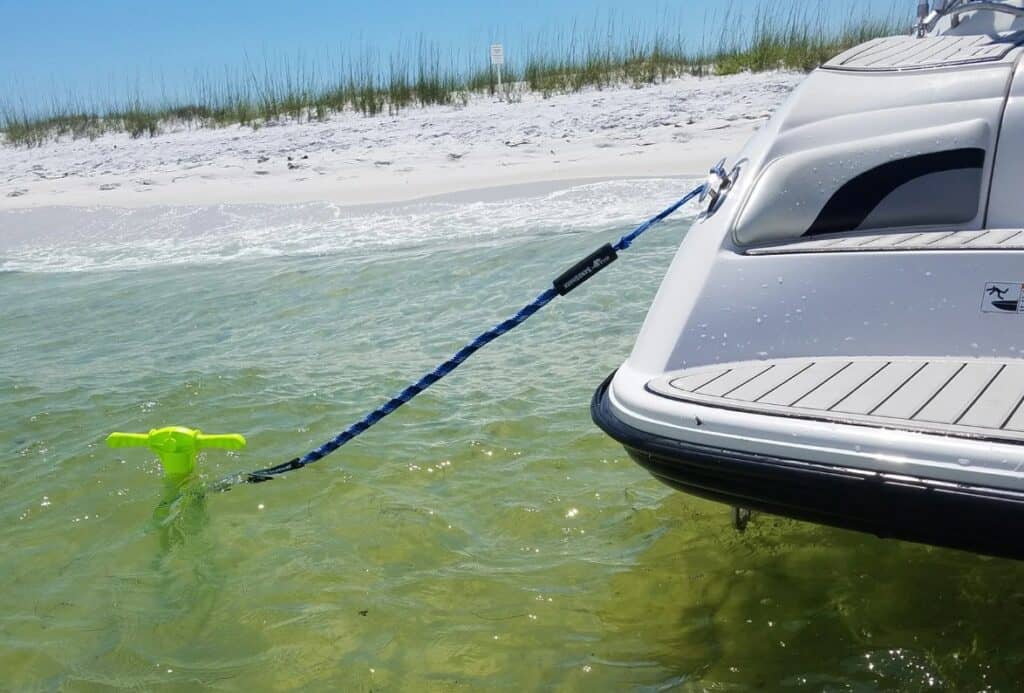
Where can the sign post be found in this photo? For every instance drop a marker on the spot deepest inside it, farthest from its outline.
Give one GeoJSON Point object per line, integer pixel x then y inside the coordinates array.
{"type": "Point", "coordinates": [498, 59]}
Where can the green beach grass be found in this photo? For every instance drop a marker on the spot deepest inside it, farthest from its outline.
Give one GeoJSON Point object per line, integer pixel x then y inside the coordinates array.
{"type": "Point", "coordinates": [604, 55]}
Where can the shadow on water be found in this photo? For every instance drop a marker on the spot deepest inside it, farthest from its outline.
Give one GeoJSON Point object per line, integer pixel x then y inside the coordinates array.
{"type": "Point", "coordinates": [793, 605]}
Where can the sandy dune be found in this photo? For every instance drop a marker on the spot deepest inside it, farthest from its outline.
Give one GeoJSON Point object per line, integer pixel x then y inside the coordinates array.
{"type": "Point", "coordinates": [676, 128]}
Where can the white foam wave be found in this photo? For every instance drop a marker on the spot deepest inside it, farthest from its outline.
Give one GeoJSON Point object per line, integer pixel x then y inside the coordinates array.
{"type": "Point", "coordinates": [104, 239]}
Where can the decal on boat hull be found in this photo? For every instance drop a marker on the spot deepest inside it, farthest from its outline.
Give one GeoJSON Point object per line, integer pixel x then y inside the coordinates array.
{"type": "Point", "coordinates": [1002, 297]}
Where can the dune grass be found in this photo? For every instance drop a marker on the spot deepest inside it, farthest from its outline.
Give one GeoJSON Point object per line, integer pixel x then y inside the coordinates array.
{"type": "Point", "coordinates": [564, 61]}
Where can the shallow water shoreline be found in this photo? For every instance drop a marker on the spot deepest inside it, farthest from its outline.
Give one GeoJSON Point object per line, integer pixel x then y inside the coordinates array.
{"type": "Point", "coordinates": [101, 238]}
{"type": "Point", "coordinates": [487, 524]}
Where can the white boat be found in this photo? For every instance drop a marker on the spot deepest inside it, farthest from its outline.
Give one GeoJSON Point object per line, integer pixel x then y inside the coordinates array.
{"type": "Point", "coordinates": [840, 337]}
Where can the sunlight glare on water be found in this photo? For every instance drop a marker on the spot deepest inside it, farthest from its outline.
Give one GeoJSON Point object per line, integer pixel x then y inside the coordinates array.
{"type": "Point", "coordinates": [486, 535]}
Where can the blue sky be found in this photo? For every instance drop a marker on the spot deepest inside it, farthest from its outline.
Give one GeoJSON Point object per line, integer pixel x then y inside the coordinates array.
{"type": "Point", "coordinates": [106, 48]}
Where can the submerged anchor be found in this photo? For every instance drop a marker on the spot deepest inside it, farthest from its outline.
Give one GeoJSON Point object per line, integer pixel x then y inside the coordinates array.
{"type": "Point", "coordinates": [176, 446]}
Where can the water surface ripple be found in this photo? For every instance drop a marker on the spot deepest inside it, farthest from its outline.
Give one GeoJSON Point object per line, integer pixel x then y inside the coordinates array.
{"type": "Point", "coordinates": [487, 535]}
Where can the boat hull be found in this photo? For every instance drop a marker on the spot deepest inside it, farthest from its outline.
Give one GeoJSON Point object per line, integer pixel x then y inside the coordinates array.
{"type": "Point", "coordinates": [971, 518]}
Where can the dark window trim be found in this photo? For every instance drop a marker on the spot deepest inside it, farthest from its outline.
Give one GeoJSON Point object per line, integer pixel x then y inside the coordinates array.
{"type": "Point", "coordinates": [851, 205]}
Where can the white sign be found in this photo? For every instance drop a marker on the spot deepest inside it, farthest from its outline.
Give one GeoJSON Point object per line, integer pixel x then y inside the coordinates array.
{"type": "Point", "coordinates": [497, 54]}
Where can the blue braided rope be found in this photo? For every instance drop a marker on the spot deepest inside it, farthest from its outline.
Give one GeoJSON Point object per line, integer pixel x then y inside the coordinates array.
{"type": "Point", "coordinates": [627, 240]}
{"type": "Point", "coordinates": [454, 362]}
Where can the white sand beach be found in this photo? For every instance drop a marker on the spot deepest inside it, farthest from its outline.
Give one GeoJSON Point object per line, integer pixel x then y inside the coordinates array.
{"type": "Point", "coordinates": [677, 128]}
{"type": "Point", "coordinates": [588, 161]}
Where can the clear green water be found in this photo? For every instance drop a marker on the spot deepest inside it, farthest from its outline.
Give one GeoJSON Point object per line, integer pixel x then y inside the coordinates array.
{"type": "Point", "coordinates": [486, 536]}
